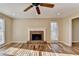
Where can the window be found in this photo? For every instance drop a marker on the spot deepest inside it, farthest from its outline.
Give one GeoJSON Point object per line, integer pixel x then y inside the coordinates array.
{"type": "Point", "coordinates": [2, 31]}
{"type": "Point", "coordinates": [54, 31]}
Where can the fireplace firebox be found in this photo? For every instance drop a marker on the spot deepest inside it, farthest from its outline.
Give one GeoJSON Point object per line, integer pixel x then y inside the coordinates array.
{"type": "Point", "coordinates": [36, 36]}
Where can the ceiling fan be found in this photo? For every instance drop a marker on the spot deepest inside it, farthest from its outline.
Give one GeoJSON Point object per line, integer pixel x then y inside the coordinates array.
{"type": "Point", "coordinates": [37, 8]}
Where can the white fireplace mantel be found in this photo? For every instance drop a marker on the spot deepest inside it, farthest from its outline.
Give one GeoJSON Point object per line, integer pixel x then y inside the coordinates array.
{"type": "Point", "coordinates": [37, 29]}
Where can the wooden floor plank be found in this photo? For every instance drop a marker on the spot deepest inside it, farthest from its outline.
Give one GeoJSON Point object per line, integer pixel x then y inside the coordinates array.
{"type": "Point", "coordinates": [56, 48]}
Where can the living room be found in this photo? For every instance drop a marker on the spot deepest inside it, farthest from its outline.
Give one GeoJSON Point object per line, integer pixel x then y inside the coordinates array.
{"type": "Point", "coordinates": [31, 31]}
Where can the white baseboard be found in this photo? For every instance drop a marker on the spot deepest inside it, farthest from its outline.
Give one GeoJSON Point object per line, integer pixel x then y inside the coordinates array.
{"type": "Point", "coordinates": [19, 41]}
{"type": "Point", "coordinates": [5, 44]}
{"type": "Point", "coordinates": [65, 43]}
{"type": "Point", "coordinates": [75, 41]}
{"type": "Point", "coordinates": [11, 42]}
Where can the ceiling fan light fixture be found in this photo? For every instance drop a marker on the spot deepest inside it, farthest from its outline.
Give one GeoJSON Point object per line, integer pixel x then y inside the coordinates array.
{"type": "Point", "coordinates": [37, 6]}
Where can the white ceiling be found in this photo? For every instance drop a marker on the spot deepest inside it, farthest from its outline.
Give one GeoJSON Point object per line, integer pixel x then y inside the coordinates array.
{"type": "Point", "coordinates": [60, 10]}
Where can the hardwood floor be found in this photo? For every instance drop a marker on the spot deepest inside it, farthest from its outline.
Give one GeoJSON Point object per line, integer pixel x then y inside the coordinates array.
{"type": "Point", "coordinates": [60, 48]}
{"type": "Point", "coordinates": [76, 47]}
{"type": "Point", "coordinates": [40, 46]}
{"type": "Point", "coordinates": [57, 48]}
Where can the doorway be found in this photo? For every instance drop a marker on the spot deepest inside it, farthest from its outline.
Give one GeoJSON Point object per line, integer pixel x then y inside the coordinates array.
{"type": "Point", "coordinates": [54, 32]}
{"type": "Point", "coordinates": [75, 30]}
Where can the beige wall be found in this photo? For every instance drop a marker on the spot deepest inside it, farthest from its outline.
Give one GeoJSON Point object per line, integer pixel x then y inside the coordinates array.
{"type": "Point", "coordinates": [8, 28]}
{"type": "Point", "coordinates": [75, 30]}
{"type": "Point", "coordinates": [21, 26]}
{"type": "Point", "coordinates": [64, 26]}
{"type": "Point", "coordinates": [67, 29]}
{"type": "Point", "coordinates": [65, 35]}
{"type": "Point", "coordinates": [60, 27]}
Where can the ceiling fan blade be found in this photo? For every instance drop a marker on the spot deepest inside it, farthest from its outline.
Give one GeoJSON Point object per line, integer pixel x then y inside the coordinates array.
{"type": "Point", "coordinates": [37, 9]}
{"type": "Point", "coordinates": [47, 5]}
{"type": "Point", "coordinates": [28, 8]}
